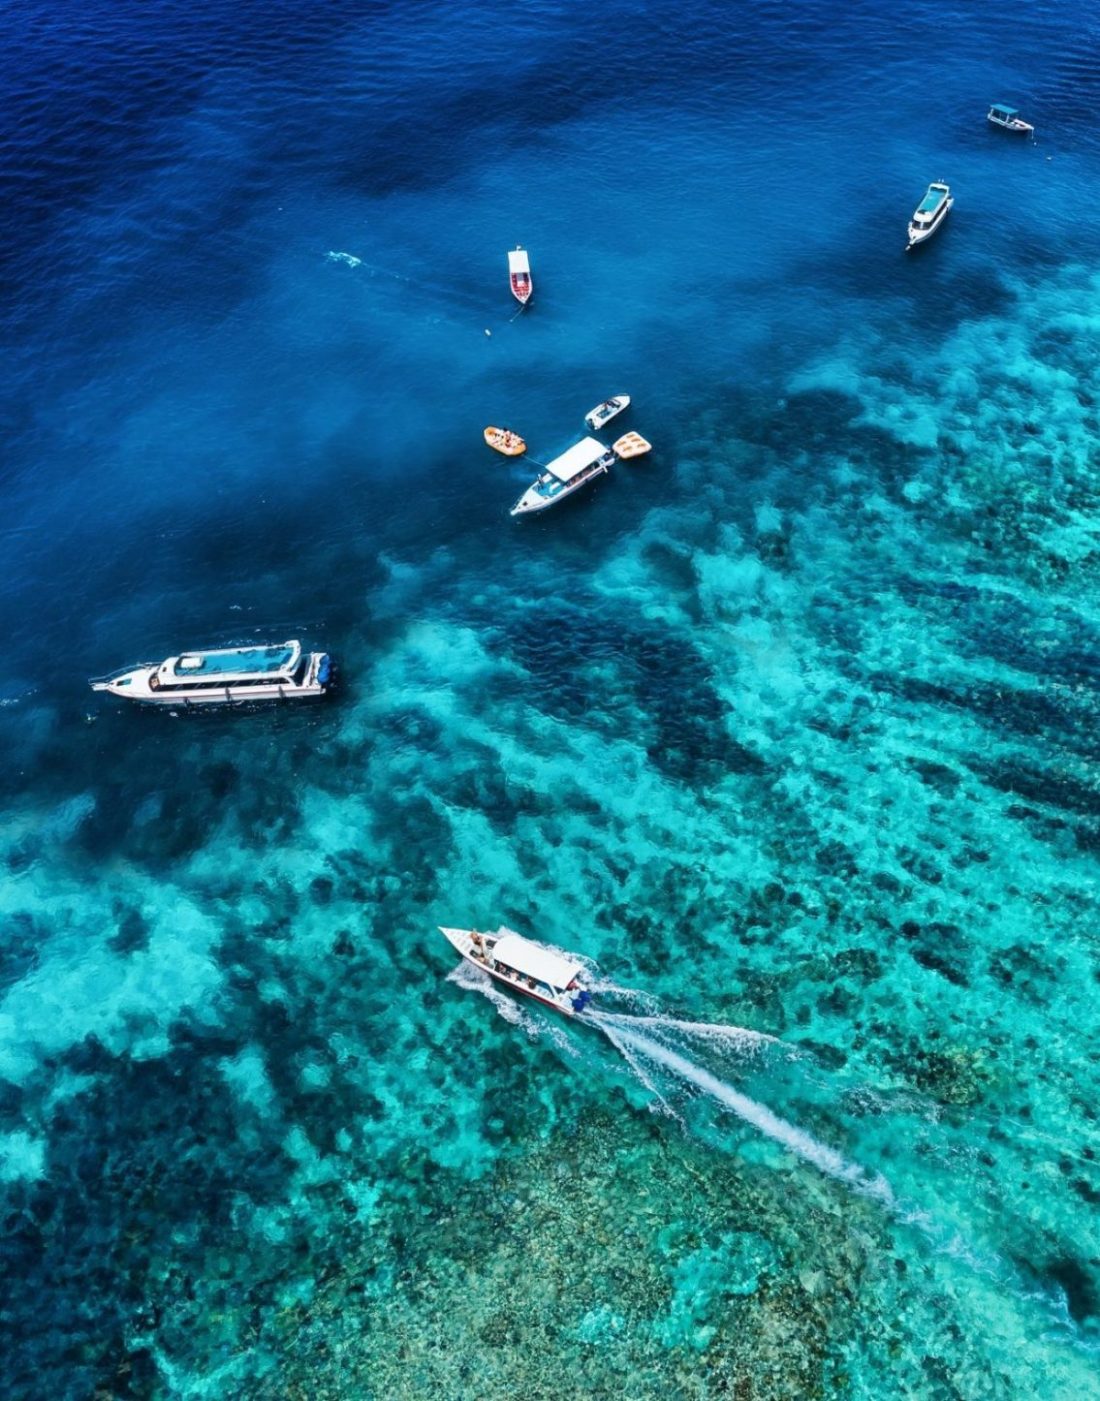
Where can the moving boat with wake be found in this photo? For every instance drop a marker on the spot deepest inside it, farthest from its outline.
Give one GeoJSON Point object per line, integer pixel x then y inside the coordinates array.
{"type": "Point", "coordinates": [225, 676]}
{"type": "Point", "coordinates": [523, 965]}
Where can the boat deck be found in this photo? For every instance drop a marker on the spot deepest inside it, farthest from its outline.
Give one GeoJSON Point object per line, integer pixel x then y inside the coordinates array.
{"type": "Point", "coordinates": [255, 660]}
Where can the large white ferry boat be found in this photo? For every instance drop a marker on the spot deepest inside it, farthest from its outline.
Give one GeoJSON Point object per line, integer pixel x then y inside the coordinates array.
{"type": "Point", "coordinates": [523, 965]}
{"type": "Point", "coordinates": [225, 676]}
{"type": "Point", "coordinates": [583, 463]}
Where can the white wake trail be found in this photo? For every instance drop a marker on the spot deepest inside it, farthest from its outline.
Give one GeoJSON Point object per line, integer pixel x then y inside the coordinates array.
{"type": "Point", "coordinates": [738, 1037]}
{"type": "Point", "coordinates": [802, 1144]}
{"type": "Point", "coordinates": [637, 1067]}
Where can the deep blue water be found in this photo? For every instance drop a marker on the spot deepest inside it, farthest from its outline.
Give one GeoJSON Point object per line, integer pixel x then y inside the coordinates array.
{"type": "Point", "coordinates": [791, 725]}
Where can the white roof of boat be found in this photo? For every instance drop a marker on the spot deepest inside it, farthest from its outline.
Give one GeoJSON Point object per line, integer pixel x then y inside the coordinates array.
{"type": "Point", "coordinates": [578, 457]}
{"type": "Point", "coordinates": [517, 260]}
{"type": "Point", "coordinates": [535, 960]}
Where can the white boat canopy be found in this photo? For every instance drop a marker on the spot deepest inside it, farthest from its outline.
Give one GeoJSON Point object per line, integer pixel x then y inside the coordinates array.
{"type": "Point", "coordinates": [517, 261]}
{"type": "Point", "coordinates": [535, 961]}
{"type": "Point", "coordinates": [581, 455]}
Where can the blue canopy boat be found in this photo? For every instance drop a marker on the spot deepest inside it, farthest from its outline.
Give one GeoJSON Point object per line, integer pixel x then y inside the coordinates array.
{"type": "Point", "coordinates": [1008, 118]}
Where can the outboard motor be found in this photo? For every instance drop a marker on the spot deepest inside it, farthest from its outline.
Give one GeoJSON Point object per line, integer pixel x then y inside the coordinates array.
{"type": "Point", "coordinates": [582, 999]}
{"type": "Point", "coordinates": [324, 670]}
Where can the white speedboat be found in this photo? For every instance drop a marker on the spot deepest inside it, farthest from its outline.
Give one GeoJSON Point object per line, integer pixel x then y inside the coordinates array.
{"type": "Point", "coordinates": [583, 463]}
{"type": "Point", "coordinates": [546, 974]}
{"type": "Point", "coordinates": [1009, 119]}
{"type": "Point", "coordinates": [226, 676]}
{"type": "Point", "coordinates": [930, 213]}
{"type": "Point", "coordinates": [519, 275]}
{"type": "Point", "coordinates": [605, 412]}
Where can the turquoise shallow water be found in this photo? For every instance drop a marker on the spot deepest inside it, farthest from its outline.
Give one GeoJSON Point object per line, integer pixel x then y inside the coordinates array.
{"type": "Point", "coordinates": [789, 728]}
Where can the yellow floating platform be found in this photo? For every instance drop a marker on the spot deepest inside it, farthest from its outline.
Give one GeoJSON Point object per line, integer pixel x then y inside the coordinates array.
{"type": "Point", "coordinates": [631, 445]}
{"type": "Point", "coordinates": [505, 441]}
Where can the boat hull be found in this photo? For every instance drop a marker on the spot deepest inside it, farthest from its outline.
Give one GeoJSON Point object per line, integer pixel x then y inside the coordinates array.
{"type": "Point", "coordinates": [532, 501]}
{"type": "Point", "coordinates": [139, 691]}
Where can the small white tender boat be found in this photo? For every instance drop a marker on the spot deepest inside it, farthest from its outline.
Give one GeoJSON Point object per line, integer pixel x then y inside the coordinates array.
{"type": "Point", "coordinates": [583, 463]}
{"type": "Point", "coordinates": [546, 974]}
{"type": "Point", "coordinates": [519, 275]}
{"type": "Point", "coordinates": [1000, 114]}
{"type": "Point", "coordinates": [226, 676]}
{"type": "Point", "coordinates": [930, 213]}
{"type": "Point", "coordinates": [605, 412]}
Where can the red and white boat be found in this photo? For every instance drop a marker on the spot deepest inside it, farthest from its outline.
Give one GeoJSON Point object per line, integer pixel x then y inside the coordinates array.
{"type": "Point", "coordinates": [536, 970]}
{"type": "Point", "coordinates": [519, 275]}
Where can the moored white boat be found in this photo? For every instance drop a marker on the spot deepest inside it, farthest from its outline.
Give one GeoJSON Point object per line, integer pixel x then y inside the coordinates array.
{"type": "Point", "coordinates": [1000, 114]}
{"type": "Point", "coordinates": [605, 412]}
{"type": "Point", "coordinates": [583, 463]}
{"type": "Point", "coordinates": [519, 275]}
{"type": "Point", "coordinates": [549, 976]}
{"type": "Point", "coordinates": [930, 213]}
{"type": "Point", "coordinates": [225, 676]}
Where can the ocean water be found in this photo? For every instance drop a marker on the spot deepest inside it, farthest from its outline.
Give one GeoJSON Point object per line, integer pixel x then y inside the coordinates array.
{"type": "Point", "coordinates": [790, 728]}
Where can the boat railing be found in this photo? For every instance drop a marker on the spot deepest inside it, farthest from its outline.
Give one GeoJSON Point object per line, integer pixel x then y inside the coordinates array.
{"type": "Point", "coordinates": [98, 682]}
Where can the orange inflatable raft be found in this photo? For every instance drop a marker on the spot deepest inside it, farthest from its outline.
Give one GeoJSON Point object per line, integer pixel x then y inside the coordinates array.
{"type": "Point", "coordinates": [505, 441]}
{"type": "Point", "coordinates": [630, 445]}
